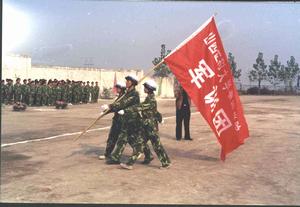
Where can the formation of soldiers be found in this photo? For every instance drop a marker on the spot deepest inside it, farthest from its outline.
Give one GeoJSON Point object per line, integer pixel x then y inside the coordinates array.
{"type": "Point", "coordinates": [46, 93]}
{"type": "Point", "coordinates": [134, 123]}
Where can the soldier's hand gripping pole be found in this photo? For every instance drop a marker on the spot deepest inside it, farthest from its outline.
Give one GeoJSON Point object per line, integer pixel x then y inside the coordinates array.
{"type": "Point", "coordinates": [117, 100]}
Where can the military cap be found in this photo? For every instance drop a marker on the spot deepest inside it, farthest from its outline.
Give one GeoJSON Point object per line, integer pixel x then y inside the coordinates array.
{"type": "Point", "coordinates": [150, 85]}
{"type": "Point", "coordinates": [120, 84]}
{"type": "Point", "coordinates": [133, 78]}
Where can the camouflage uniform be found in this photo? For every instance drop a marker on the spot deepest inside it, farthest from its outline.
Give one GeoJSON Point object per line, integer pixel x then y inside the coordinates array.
{"type": "Point", "coordinates": [64, 94]}
{"type": "Point", "coordinates": [70, 92]}
{"type": "Point", "coordinates": [50, 95]}
{"type": "Point", "coordinates": [3, 92]}
{"type": "Point", "coordinates": [131, 129]}
{"type": "Point", "coordinates": [82, 94]}
{"type": "Point", "coordinates": [17, 92]}
{"type": "Point", "coordinates": [114, 132]}
{"type": "Point", "coordinates": [25, 93]}
{"type": "Point", "coordinates": [59, 92]}
{"type": "Point", "coordinates": [150, 125]}
{"type": "Point", "coordinates": [96, 93]}
{"type": "Point", "coordinates": [85, 93]}
{"type": "Point", "coordinates": [38, 95]}
{"type": "Point", "coordinates": [10, 92]}
{"type": "Point", "coordinates": [53, 93]}
{"type": "Point", "coordinates": [45, 95]}
{"type": "Point", "coordinates": [77, 93]}
{"type": "Point", "coordinates": [32, 94]}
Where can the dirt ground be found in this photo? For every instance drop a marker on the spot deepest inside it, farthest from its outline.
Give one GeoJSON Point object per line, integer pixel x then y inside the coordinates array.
{"type": "Point", "coordinates": [265, 170]}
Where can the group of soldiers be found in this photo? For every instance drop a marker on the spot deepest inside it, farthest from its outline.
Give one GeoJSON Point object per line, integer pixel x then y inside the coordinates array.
{"type": "Point", "coordinates": [134, 123]}
{"type": "Point", "coordinates": [47, 93]}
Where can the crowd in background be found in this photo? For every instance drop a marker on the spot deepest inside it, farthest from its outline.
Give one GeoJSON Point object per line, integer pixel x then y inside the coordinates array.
{"type": "Point", "coordinates": [46, 93]}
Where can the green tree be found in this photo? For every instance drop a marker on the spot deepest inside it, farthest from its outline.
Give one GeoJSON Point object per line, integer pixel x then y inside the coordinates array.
{"type": "Point", "coordinates": [274, 71]}
{"type": "Point", "coordinates": [289, 73]}
{"type": "Point", "coordinates": [259, 73]}
{"type": "Point", "coordinates": [236, 73]}
{"type": "Point", "coordinates": [163, 70]}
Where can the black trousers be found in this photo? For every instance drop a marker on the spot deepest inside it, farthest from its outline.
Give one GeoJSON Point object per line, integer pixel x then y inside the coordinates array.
{"type": "Point", "coordinates": [183, 114]}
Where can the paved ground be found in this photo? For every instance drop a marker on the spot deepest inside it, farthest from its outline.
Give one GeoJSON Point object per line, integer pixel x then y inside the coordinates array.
{"type": "Point", "coordinates": [265, 170]}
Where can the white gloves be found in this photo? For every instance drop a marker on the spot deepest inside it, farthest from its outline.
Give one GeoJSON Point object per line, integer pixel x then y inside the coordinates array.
{"type": "Point", "coordinates": [163, 121]}
{"type": "Point", "coordinates": [121, 112]}
{"type": "Point", "coordinates": [104, 107]}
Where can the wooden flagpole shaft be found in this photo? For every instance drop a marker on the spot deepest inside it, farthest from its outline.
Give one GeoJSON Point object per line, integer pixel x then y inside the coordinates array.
{"type": "Point", "coordinates": [94, 122]}
{"type": "Point", "coordinates": [117, 100]}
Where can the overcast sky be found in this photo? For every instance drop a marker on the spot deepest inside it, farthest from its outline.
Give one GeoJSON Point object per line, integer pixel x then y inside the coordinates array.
{"type": "Point", "coordinates": [117, 34]}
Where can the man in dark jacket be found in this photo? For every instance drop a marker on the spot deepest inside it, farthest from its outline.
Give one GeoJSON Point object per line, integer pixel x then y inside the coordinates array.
{"type": "Point", "coordinates": [183, 113]}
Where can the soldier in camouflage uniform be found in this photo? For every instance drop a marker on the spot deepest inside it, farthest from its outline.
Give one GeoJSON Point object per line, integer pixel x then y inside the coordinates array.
{"type": "Point", "coordinates": [131, 129]}
{"type": "Point", "coordinates": [3, 92]}
{"type": "Point", "coordinates": [69, 90]}
{"type": "Point", "coordinates": [92, 92]}
{"type": "Point", "coordinates": [116, 125]}
{"type": "Point", "coordinates": [82, 92]}
{"type": "Point", "coordinates": [58, 91]}
{"type": "Point", "coordinates": [38, 95]}
{"type": "Point", "coordinates": [53, 92]}
{"type": "Point", "coordinates": [150, 125]}
{"type": "Point", "coordinates": [49, 92]}
{"type": "Point", "coordinates": [32, 93]}
{"type": "Point", "coordinates": [9, 91]}
{"type": "Point", "coordinates": [77, 92]}
{"type": "Point", "coordinates": [25, 92]}
{"type": "Point", "coordinates": [96, 92]}
{"type": "Point", "coordinates": [87, 92]}
{"type": "Point", "coordinates": [45, 95]}
{"type": "Point", "coordinates": [17, 91]}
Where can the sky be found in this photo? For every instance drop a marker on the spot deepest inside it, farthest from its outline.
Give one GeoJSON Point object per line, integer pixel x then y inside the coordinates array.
{"type": "Point", "coordinates": [128, 34]}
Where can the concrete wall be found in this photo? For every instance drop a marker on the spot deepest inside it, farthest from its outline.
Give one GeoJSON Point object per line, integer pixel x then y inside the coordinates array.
{"type": "Point", "coordinates": [20, 66]}
{"type": "Point", "coordinates": [14, 66]}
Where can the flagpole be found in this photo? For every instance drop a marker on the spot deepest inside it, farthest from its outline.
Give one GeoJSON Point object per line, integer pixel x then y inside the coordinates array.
{"type": "Point", "coordinates": [117, 100]}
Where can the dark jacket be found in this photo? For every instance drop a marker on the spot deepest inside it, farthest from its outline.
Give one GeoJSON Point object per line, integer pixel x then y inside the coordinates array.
{"type": "Point", "coordinates": [178, 92]}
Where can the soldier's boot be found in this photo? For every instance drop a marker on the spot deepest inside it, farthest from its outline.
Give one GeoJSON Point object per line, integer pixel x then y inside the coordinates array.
{"type": "Point", "coordinates": [126, 166]}
{"type": "Point", "coordinates": [165, 166]}
{"type": "Point", "coordinates": [147, 160]}
{"type": "Point", "coordinates": [112, 161]}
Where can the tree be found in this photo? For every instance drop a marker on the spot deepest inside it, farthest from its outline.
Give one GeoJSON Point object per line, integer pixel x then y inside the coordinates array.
{"type": "Point", "coordinates": [274, 71]}
{"type": "Point", "coordinates": [163, 70]}
{"type": "Point", "coordinates": [259, 73]}
{"type": "Point", "coordinates": [236, 73]}
{"type": "Point", "coordinates": [289, 73]}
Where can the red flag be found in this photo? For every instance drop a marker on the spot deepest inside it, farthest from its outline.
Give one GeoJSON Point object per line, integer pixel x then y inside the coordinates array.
{"type": "Point", "coordinates": [115, 82]}
{"type": "Point", "coordinates": [200, 65]}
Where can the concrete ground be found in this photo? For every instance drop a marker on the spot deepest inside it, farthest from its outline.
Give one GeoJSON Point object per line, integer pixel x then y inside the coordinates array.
{"type": "Point", "coordinates": [40, 162]}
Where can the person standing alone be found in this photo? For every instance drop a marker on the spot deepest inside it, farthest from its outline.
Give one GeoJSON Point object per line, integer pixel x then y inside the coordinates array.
{"type": "Point", "coordinates": [183, 113]}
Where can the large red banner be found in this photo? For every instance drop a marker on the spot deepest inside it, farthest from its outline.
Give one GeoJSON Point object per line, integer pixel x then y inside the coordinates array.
{"type": "Point", "coordinates": [200, 65]}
